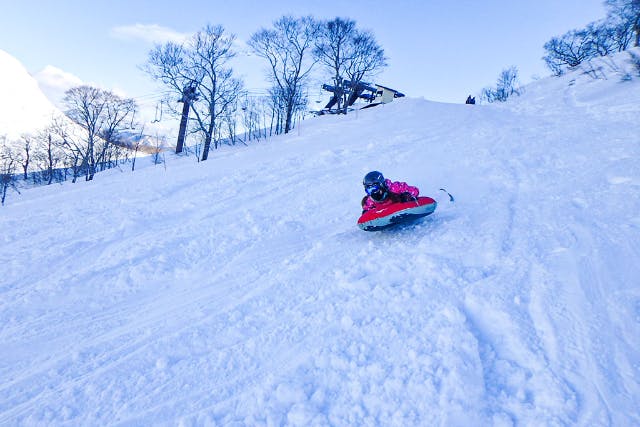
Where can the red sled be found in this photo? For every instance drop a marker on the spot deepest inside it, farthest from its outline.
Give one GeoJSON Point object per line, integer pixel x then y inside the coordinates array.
{"type": "Point", "coordinates": [378, 219]}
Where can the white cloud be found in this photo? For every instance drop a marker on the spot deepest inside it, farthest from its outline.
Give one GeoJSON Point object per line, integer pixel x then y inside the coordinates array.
{"type": "Point", "coordinates": [54, 82]}
{"type": "Point", "coordinates": [150, 33]}
{"type": "Point", "coordinates": [57, 78]}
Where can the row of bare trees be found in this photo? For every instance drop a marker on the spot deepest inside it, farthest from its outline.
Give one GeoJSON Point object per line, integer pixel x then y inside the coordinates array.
{"type": "Point", "coordinates": [198, 72]}
{"type": "Point", "coordinates": [617, 32]}
{"type": "Point", "coordinates": [8, 168]}
{"type": "Point", "coordinates": [89, 138]}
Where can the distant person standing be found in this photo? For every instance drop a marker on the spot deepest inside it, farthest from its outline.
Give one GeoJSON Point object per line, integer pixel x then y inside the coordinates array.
{"type": "Point", "coordinates": [470, 100]}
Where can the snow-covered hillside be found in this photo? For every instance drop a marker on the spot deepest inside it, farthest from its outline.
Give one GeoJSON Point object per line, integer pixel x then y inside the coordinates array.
{"type": "Point", "coordinates": [239, 291]}
{"type": "Point", "coordinates": [24, 108]}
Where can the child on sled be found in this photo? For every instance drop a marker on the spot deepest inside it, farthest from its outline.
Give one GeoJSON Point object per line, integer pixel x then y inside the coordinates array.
{"type": "Point", "coordinates": [382, 192]}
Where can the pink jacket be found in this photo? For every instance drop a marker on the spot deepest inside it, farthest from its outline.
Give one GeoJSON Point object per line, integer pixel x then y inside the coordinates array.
{"type": "Point", "coordinates": [395, 190]}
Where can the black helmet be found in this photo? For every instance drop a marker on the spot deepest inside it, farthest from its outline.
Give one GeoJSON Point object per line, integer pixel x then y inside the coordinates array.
{"type": "Point", "coordinates": [373, 177]}
{"type": "Point", "coordinates": [374, 185]}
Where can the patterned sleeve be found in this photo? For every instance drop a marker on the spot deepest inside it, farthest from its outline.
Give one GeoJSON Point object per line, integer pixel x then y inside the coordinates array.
{"type": "Point", "coordinates": [400, 187]}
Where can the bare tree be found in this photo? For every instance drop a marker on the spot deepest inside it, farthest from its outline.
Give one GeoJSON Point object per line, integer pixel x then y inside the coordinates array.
{"type": "Point", "coordinates": [288, 49]}
{"type": "Point", "coordinates": [201, 64]}
{"type": "Point", "coordinates": [332, 51]}
{"type": "Point", "coordinates": [230, 123]}
{"type": "Point", "coordinates": [276, 105]}
{"type": "Point", "coordinates": [119, 115]}
{"type": "Point", "coordinates": [627, 12]}
{"type": "Point", "coordinates": [51, 155]}
{"type": "Point", "coordinates": [8, 166]}
{"type": "Point", "coordinates": [85, 106]}
{"type": "Point", "coordinates": [350, 55]}
{"type": "Point", "coordinates": [568, 50]}
{"type": "Point", "coordinates": [600, 36]}
{"type": "Point", "coordinates": [506, 86]}
{"type": "Point", "coordinates": [72, 145]}
{"type": "Point", "coordinates": [226, 101]}
{"type": "Point", "coordinates": [158, 150]}
{"type": "Point", "coordinates": [366, 57]}
{"type": "Point", "coordinates": [25, 156]}
{"type": "Point", "coordinates": [137, 142]}
{"type": "Point", "coordinates": [263, 107]}
{"type": "Point", "coordinates": [254, 115]}
{"type": "Point", "coordinates": [249, 116]}
{"type": "Point", "coordinates": [102, 115]}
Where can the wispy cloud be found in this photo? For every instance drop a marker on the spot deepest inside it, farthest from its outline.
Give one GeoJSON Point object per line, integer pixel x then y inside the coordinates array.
{"type": "Point", "coordinates": [150, 33]}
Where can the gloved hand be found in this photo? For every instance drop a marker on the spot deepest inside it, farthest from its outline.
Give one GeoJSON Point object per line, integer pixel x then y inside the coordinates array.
{"type": "Point", "coordinates": [407, 197]}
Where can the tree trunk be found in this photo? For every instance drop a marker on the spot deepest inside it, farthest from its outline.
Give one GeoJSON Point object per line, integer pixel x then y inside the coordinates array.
{"type": "Point", "coordinates": [287, 125]}
{"type": "Point", "coordinates": [4, 192]}
{"type": "Point", "coordinates": [91, 170]}
{"type": "Point", "coordinates": [50, 155]}
{"type": "Point", "coordinates": [25, 165]}
{"type": "Point", "coordinates": [207, 146]}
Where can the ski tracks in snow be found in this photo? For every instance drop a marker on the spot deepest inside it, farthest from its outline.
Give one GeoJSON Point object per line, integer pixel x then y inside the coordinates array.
{"type": "Point", "coordinates": [549, 279]}
{"type": "Point", "coordinates": [246, 294]}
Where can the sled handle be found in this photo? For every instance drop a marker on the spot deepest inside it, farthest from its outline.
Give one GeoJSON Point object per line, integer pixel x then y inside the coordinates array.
{"type": "Point", "coordinates": [451, 199]}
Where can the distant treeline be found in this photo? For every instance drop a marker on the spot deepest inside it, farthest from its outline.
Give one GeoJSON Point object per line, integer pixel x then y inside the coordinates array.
{"type": "Point", "coordinates": [618, 31]}
{"type": "Point", "coordinates": [615, 33]}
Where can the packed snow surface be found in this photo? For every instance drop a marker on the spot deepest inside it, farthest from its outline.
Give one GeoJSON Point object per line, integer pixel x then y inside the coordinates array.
{"type": "Point", "coordinates": [239, 291]}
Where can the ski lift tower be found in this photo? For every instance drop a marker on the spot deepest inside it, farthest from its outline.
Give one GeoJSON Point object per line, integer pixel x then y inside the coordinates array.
{"type": "Point", "coordinates": [188, 96]}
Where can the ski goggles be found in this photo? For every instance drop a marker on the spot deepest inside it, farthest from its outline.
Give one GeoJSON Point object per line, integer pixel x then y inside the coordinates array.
{"type": "Point", "coordinates": [372, 188]}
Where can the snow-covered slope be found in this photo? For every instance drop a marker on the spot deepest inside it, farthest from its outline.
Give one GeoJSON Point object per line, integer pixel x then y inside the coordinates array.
{"type": "Point", "coordinates": [24, 108]}
{"type": "Point", "coordinates": [239, 291]}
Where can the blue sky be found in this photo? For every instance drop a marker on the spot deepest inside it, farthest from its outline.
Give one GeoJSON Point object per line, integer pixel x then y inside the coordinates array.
{"type": "Point", "coordinates": [441, 50]}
